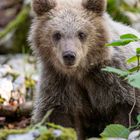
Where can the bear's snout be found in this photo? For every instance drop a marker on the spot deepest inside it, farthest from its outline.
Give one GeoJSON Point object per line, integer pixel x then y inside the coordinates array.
{"type": "Point", "coordinates": [69, 58]}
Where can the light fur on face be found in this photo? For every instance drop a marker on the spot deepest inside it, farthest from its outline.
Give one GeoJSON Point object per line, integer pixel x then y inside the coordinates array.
{"type": "Point", "coordinates": [69, 20]}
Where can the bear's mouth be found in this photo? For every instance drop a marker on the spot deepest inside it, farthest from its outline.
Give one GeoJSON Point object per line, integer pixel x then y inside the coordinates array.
{"type": "Point", "coordinates": [70, 66]}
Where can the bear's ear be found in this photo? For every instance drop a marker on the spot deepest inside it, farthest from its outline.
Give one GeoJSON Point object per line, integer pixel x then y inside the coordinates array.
{"type": "Point", "coordinates": [97, 6]}
{"type": "Point", "coordinates": [42, 6]}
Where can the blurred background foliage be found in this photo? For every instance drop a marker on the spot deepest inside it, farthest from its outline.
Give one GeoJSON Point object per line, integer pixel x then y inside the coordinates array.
{"type": "Point", "coordinates": [119, 9]}
{"type": "Point", "coordinates": [16, 15]}
{"type": "Point", "coordinates": [15, 19]}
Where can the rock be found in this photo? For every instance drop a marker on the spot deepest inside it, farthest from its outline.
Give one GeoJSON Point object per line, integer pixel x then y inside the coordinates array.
{"type": "Point", "coordinates": [135, 135]}
{"type": "Point", "coordinates": [6, 88]}
{"type": "Point", "coordinates": [137, 26]}
{"type": "Point", "coordinates": [6, 70]}
{"type": "Point", "coordinates": [28, 136]}
{"type": "Point", "coordinates": [19, 73]}
{"type": "Point", "coordinates": [107, 139]}
{"type": "Point", "coordinates": [27, 1]}
{"type": "Point", "coordinates": [135, 19]}
{"type": "Point", "coordinates": [115, 139]}
{"type": "Point", "coordinates": [131, 2]}
{"type": "Point", "coordinates": [24, 64]}
{"type": "Point", "coordinates": [3, 59]}
{"type": "Point", "coordinates": [19, 84]}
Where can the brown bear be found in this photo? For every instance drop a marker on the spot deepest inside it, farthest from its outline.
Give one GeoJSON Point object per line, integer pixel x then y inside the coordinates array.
{"type": "Point", "coordinates": [69, 37]}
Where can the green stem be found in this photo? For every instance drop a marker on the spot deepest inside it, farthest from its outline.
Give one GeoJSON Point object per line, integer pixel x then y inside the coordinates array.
{"type": "Point", "coordinates": [44, 120]}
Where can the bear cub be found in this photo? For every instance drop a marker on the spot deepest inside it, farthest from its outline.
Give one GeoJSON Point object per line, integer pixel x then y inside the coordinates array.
{"type": "Point", "coordinates": [69, 37]}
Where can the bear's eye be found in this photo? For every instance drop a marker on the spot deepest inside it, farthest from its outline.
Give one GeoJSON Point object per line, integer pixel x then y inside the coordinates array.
{"type": "Point", "coordinates": [57, 36]}
{"type": "Point", "coordinates": [82, 36]}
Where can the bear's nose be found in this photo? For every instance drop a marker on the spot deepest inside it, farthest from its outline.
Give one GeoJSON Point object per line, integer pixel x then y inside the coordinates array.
{"type": "Point", "coordinates": [69, 58]}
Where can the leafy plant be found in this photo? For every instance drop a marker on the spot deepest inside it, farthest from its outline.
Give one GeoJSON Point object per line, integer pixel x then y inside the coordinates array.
{"type": "Point", "coordinates": [119, 131]}
{"type": "Point", "coordinates": [131, 75]}
{"type": "Point", "coordinates": [116, 131]}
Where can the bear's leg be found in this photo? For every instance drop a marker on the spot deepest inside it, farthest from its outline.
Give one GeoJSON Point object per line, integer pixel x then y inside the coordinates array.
{"type": "Point", "coordinates": [79, 125]}
{"type": "Point", "coordinates": [72, 120]}
{"type": "Point", "coordinates": [80, 130]}
{"type": "Point", "coordinates": [60, 117]}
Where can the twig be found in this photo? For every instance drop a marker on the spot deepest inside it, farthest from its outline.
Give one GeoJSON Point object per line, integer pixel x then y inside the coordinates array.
{"type": "Point", "coordinates": [134, 104]}
{"type": "Point", "coordinates": [132, 109]}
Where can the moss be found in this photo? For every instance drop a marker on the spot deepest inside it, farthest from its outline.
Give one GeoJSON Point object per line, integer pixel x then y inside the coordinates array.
{"type": "Point", "coordinates": [66, 133]}
{"type": "Point", "coordinates": [4, 133]}
{"type": "Point", "coordinates": [56, 132]}
{"type": "Point", "coordinates": [53, 132]}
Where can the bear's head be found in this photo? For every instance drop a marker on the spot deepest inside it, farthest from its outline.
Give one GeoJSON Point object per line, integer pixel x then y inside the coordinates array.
{"type": "Point", "coordinates": [70, 34]}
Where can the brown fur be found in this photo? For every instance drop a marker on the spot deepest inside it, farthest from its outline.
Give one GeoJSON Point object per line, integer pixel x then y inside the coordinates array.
{"type": "Point", "coordinates": [83, 96]}
{"type": "Point", "coordinates": [97, 6]}
{"type": "Point", "coordinates": [41, 6]}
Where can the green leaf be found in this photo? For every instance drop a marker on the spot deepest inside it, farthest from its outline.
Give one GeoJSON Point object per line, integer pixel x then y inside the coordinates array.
{"type": "Point", "coordinates": [115, 131]}
{"type": "Point", "coordinates": [129, 36]}
{"type": "Point", "coordinates": [138, 119]}
{"type": "Point", "coordinates": [135, 69]}
{"type": "Point", "coordinates": [134, 80]}
{"type": "Point", "coordinates": [116, 71]}
{"type": "Point", "coordinates": [120, 42]}
{"type": "Point", "coordinates": [132, 59]}
{"type": "Point", "coordinates": [138, 51]}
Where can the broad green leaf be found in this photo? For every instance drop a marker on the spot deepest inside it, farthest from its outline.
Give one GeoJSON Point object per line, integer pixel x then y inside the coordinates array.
{"type": "Point", "coordinates": [116, 71]}
{"type": "Point", "coordinates": [138, 51]}
{"type": "Point", "coordinates": [138, 119]}
{"type": "Point", "coordinates": [115, 131]}
{"type": "Point", "coordinates": [135, 69]}
{"type": "Point", "coordinates": [132, 59]}
{"type": "Point", "coordinates": [122, 42]}
{"type": "Point", "coordinates": [129, 36]}
{"type": "Point", "coordinates": [134, 80]}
